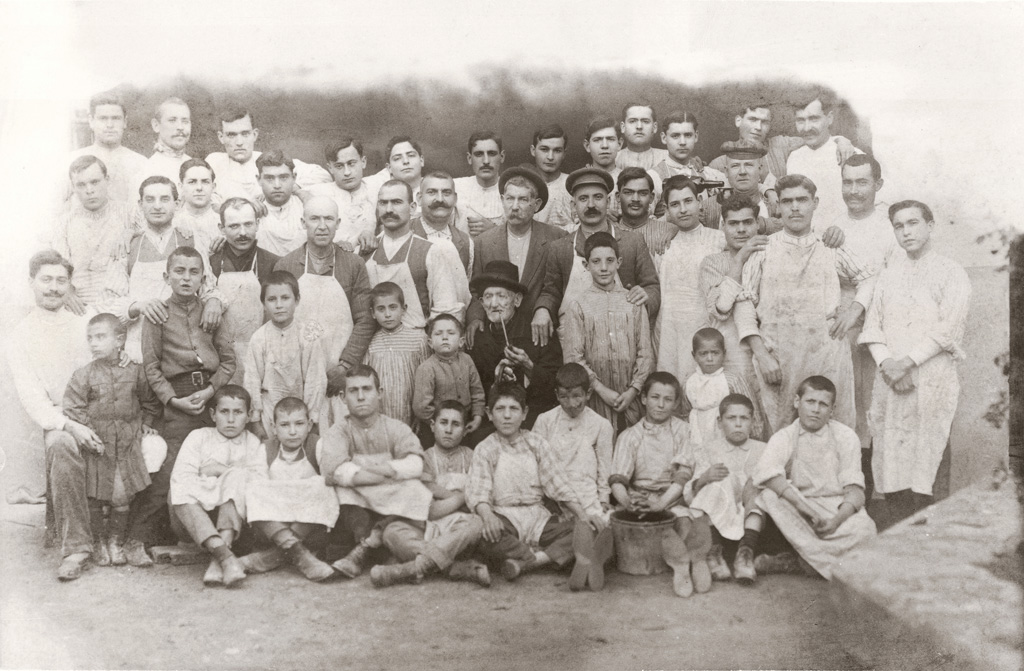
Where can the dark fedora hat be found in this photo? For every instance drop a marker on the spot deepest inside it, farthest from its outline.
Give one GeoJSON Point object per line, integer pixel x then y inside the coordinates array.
{"type": "Point", "coordinates": [503, 274]}
{"type": "Point", "coordinates": [529, 174]}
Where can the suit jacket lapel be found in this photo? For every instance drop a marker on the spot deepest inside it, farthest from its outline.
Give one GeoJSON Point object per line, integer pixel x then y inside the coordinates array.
{"type": "Point", "coordinates": [532, 252]}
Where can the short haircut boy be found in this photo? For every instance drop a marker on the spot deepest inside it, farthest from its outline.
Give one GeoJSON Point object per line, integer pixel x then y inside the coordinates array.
{"type": "Point", "coordinates": [662, 377]}
{"type": "Point", "coordinates": [83, 162]}
{"type": "Point", "coordinates": [735, 399]}
{"type": "Point", "coordinates": [506, 389]}
{"type": "Point", "coordinates": [115, 324]}
{"type": "Point", "coordinates": [444, 316]}
{"type": "Point", "coordinates": [288, 405]}
{"type": "Point", "coordinates": [106, 98]}
{"type": "Point", "coordinates": [480, 136]}
{"type": "Point", "coordinates": [737, 202]}
{"type": "Point", "coordinates": [194, 163]}
{"type": "Point", "coordinates": [362, 370]}
{"type": "Point", "coordinates": [925, 211]}
{"type": "Point", "coordinates": [708, 334]}
{"type": "Point", "coordinates": [795, 182]}
{"type": "Point", "coordinates": [631, 173]}
{"type": "Point", "coordinates": [451, 404]}
{"type": "Point", "coordinates": [279, 278]}
{"type": "Point", "coordinates": [157, 179]}
{"type": "Point", "coordinates": [185, 252]}
{"type": "Point", "coordinates": [601, 239]}
{"type": "Point", "coordinates": [386, 290]}
{"type": "Point", "coordinates": [230, 391]}
{"type": "Point", "coordinates": [399, 139]}
{"type": "Point", "coordinates": [601, 123]}
{"type": "Point", "coordinates": [549, 132]}
{"type": "Point", "coordinates": [817, 383]}
{"type": "Point", "coordinates": [275, 158]}
{"type": "Point", "coordinates": [572, 375]}
{"type": "Point", "coordinates": [678, 183]}
{"type": "Point", "coordinates": [331, 151]}
{"type": "Point", "coordinates": [679, 117]}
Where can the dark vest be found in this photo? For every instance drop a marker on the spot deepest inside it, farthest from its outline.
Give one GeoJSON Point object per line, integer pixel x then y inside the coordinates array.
{"type": "Point", "coordinates": [308, 449]}
{"type": "Point", "coordinates": [459, 239]}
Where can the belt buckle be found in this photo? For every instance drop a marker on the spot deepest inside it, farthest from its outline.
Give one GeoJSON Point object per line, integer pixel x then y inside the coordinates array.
{"type": "Point", "coordinates": [197, 379]}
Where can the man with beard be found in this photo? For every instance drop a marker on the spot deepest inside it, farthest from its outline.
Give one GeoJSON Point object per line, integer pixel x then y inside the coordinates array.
{"type": "Point", "coordinates": [281, 230]}
{"type": "Point", "coordinates": [438, 200]}
{"type": "Point", "coordinates": [566, 275]}
{"type": "Point", "coordinates": [478, 194]}
{"type": "Point", "coordinates": [521, 239]}
{"type": "Point", "coordinates": [173, 127]}
{"type": "Point", "coordinates": [639, 124]}
{"type": "Point", "coordinates": [548, 151]}
{"type": "Point", "coordinates": [504, 350]}
{"type": "Point", "coordinates": [107, 120]}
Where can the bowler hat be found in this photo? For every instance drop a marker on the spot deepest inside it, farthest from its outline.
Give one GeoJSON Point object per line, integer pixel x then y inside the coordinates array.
{"type": "Point", "coordinates": [498, 274]}
{"type": "Point", "coordinates": [530, 175]}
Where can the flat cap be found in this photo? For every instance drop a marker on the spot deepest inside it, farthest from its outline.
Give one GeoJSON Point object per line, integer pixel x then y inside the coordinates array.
{"type": "Point", "coordinates": [744, 149]}
{"type": "Point", "coordinates": [529, 174]}
{"type": "Point", "coordinates": [589, 177]}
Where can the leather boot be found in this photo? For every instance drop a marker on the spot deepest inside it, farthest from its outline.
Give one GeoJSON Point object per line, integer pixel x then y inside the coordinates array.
{"type": "Point", "coordinates": [262, 561]}
{"type": "Point", "coordinates": [117, 527]}
{"type": "Point", "coordinates": [470, 570]}
{"type": "Point", "coordinates": [135, 552]}
{"type": "Point", "coordinates": [352, 564]}
{"type": "Point", "coordinates": [674, 551]}
{"type": "Point", "coordinates": [784, 562]}
{"type": "Point", "coordinates": [72, 566]}
{"type": "Point", "coordinates": [232, 571]}
{"type": "Point", "coordinates": [513, 568]}
{"type": "Point", "coordinates": [311, 567]}
{"type": "Point", "coordinates": [214, 574]}
{"type": "Point", "coordinates": [385, 575]}
{"type": "Point", "coordinates": [719, 569]}
{"type": "Point", "coordinates": [743, 565]}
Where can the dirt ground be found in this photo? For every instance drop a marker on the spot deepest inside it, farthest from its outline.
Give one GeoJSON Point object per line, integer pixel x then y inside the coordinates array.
{"type": "Point", "coordinates": [164, 618]}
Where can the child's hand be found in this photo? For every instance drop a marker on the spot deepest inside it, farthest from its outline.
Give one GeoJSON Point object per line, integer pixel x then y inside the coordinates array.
{"type": "Point", "coordinates": [825, 528]}
{"type": "Point", "coordinates": [492, 527]}
{"type": "Point", "coordinates": [609, 396]}
{"type": "Point", "coordinates": [212, 470]}
{"type": "Point", "coordinates": [149, 431]}
{"type": "Point", "coordinates": [624, 399]}
{"type": "Point", "coordinates": [123, 359]}
{"type": "Point", "coordinates": [596, 522]}
{"type": "Point", "coordinates": [716, 473]}
{"type": "Point", "coordinates": [474, 424]}
{"type": "Point", "coordinates": [637, 296]}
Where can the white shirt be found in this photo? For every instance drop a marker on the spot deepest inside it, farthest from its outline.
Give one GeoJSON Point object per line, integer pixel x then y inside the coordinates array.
{"type": "Point", "coordinates": [871, 239]}
{"type": "Point", "coordinates": [356, 210]}
{"type": "Point", "coordinates": [123, 169]}
{"type": "Point", "coordinates": [518, 246]}
{"type": "Point", "coordinates": [281, 230]}
{"type": "Point", "coordinates": [236, 179]}
{"type": "Point", "coordinates": [822, 167]}
{"type": "Point", "coordinates": [484, 200]}
{"type": "Point", "coordinates": [627, 158]}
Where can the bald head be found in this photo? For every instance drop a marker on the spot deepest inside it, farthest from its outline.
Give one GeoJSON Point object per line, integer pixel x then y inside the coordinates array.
{"type": "Point", "coordinates": [320, 217]}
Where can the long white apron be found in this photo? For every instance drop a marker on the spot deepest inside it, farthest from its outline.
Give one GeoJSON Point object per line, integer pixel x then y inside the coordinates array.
{"type": "Point", "coordinates": [705, 392]}
{"type": "Point", "coordinates": [282, 377]}
{"type": "Point", "coordinates": [324, 308]}
{"type": "Point", "coordinates": [682, 308]}
{"type": "Point", "coordinates": [515, 476]}
{"type": "Point", "coordinates": [911, 430]}
{"type": "Point", "coordinates": [800, 288]}
{"type": "Point", "coordinates": [146, 282]}
{"type": "Point", "coordinates": [400, 274]}
{"type": "Point", "coordinates": [405, 498]}
{"type": "Point", "coordinates": [243, 312]}
{"type": "Point", "coordinates": [295, 493]}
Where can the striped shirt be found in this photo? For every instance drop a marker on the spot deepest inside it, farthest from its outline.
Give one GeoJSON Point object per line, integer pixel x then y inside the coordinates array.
{"type": "Point", "coordinates": [93, 241]}
{"type": "Point", "coordinates": [395, 355]}
{"type": "Point", "coordinates": [656, 232]}
{"type": "Point", "coordinates": [550, 479]}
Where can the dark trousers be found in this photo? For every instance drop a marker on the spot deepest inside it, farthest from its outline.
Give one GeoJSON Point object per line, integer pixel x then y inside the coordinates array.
{"type": "Point", "coordinates": [555, 541]}
{"type": "Point", "coordinates": [150, 515]}
{"type": "Point", "coordinates": [66, 483]}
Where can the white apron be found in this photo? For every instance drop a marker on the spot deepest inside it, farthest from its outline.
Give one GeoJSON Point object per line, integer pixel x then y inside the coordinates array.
{"type": "Point", "coordinates": [682, 308]}
{"type": "Point", "coordinates": [282, 377]}
{"type": "Point", "coordinates": [453, 521]}
{"type": "Point", "coordinates": [146, 282]}
{"type": "Point", "coordinates": [705, 393]}
{"type": "Point", "coordinates": [513, 477]}
{"type": "Point", "coordinates": [243, 313]}
{"type": "Point", "coordinates": [323, 306]}
{"type": "Point", "coordinates": [294, 494]}
{"type": "Point", "coordinates": [400, 274]}
{"type": "Point", "coordinates": [404, 498]}
{"type": "Point", "coordinates": [800, 288]}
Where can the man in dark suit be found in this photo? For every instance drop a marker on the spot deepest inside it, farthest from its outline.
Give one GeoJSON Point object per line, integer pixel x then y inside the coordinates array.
{"type": "Point", "coordinates": [564, 272]}
{"type": "Point", "coordinates": [520, 239]}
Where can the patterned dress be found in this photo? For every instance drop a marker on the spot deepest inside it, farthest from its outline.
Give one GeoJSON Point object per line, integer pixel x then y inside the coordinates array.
{"type": "Point", "coordinates": [395, 355]}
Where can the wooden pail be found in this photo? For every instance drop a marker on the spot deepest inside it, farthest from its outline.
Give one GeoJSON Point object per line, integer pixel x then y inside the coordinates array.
{"type": "Point", "coordinates": [638, 541]}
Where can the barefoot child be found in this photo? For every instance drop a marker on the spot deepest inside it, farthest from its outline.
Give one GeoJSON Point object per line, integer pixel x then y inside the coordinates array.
{"type": "Point", "coordinates": [609, 336]}
{"type": "Point", "coordinates": [581, 440]}
{"type": "Point", "coordinates": [450, 529]}
{"type": "Point", "coordinates": [706, 388]}
{"type": "Point", "coordinates": [449, 373]}
{"type": "Point", "coordinates": [119, 405]}
{"type": "Point", "coordinates": [811, 480]}
{"type": "Point", "coordinates": [721, 487]}
{"type": "Point", "coordinates": [293, 502]}
{"type": "Point", "coordinates": [285, 358]}
{"type": "Point", "coordinates": [209, 479]}
{"type": "Point", "coordinates": [512, 470]}
{"type": "Point", "coordinates": [653, 462]}
{"type": "Point", "coordinates": [395, 351]}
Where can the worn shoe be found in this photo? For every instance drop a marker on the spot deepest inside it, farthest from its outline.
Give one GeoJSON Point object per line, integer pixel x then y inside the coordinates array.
{"type": "Point", "coordinates": [604, 547]}
{"type": "Point", "coordinates": [701, 573]}
{"type": "Point", "coordinates": [100, 552]}
{"type": "Point", "coordinates": [674, 551]}
{"type": "Point", "coordinates": [719, 569]}
{"type": "Point", "coordinates": [385, 575]}
{"type": "Point", "coordinates": [513, 568]}
{"type": "Point", "coordinates": [262, 561]}
{"type": "Point", "coordinates": [116, 550]}
{"type": "Point", "coordinates": [743, 565]}
{"type": "Point", "coordinates": [785, 563]}
{"type": "Point", "coordinates": [583, 548]}
{"type": "Point", "coordinates": [232, 571]}
{"type": "Point", "coordinates": [214, 574]}
{"type": "Point", "coordinates": [135, 553]}
{"type": "Point", "coordinates": [73, 565]}
{"type": "Point", "coordinates": [470, 571]}
{"type": "Point", "coordinates": [352, 564]}
{"type": "Point", "coordinates": [311, 567]}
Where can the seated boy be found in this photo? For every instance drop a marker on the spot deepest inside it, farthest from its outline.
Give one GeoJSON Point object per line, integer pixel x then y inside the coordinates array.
{"type": "Point", "coordinates": [708, 385]}
{"type": "Point", "coordinates": [294, 502]}
{"type": "Point", "coordinates": [653, 462]}
{"type": "Point", "coordinates": [395, 351]}
{"type": "Point", "coordinates": [581, 441]}
{"type": "Point", "coordinates": [721, 487]}
{"type": "Point", "coordinates": [451, 529]}
{"type": "Point", "coordinates": [209, 479]}
{"type": "Point", "coordinates": [811, 480]}
{"type": "Point", "coordinates": [374, 463]}
{"type": "Point", "coordinates": [118, 404]}
{"type": "Point", "coordinates": [448, 373]}
{"type": "Point", "coordinates": [512, 470]}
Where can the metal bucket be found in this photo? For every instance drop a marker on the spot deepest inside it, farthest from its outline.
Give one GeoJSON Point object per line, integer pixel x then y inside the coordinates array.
{"type": "Point", "coordinates": [638, 541]}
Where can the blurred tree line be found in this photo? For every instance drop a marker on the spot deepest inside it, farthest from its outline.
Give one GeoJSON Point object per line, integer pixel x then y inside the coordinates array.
{"type": "Point", "coordinates": [302, 120]}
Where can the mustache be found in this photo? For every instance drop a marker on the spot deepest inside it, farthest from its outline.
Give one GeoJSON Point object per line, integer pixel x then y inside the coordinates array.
{"type": "Point", "coordinates": [389, 216]}
{"type": "Point", "coordinates": [592, 210]}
